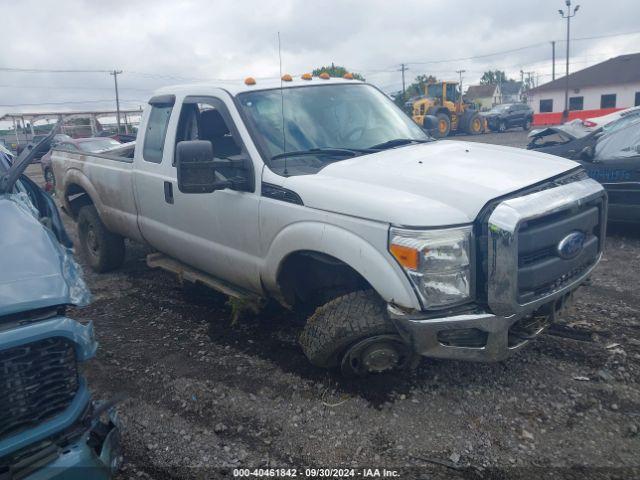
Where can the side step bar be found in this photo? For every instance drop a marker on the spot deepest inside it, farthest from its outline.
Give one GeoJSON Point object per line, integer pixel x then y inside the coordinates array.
{"type": "Point", "coordinates": [190, 274]}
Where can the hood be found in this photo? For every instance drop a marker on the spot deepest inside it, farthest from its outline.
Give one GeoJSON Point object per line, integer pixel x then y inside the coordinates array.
{"type": "Point", "coordinates": [432, 184]}
{"type": "Point", "coordinates": [570, 130]}
{"type": "Point", "coordinates": [36, 271]}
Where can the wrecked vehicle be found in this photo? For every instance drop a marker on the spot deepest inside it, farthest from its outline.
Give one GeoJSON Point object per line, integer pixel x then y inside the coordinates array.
{"type": "Point", "coordinates": [610, 155]}
{"type": "Point", "coordinates": [323, 195]}
{"type": "Point", "coordinates": [49, 426]}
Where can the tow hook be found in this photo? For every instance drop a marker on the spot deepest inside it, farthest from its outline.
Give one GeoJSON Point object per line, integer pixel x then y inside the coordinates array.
{"type": "Point", "coordinates": [378, 354]}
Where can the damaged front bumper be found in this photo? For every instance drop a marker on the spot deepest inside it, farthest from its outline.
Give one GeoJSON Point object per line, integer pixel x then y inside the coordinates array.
{"type": "Point", "coordinates": [475, 336]}
{"type": "Point", "coordinates": [83, 453]}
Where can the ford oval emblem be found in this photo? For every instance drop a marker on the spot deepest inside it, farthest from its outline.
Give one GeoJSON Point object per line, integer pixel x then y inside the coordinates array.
{"type": "Point", "coordinates": [571, 245]}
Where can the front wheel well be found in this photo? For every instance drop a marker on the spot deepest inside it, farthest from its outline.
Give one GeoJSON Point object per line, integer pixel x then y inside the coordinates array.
{"type": "Point", "coordinates": [308, 279]}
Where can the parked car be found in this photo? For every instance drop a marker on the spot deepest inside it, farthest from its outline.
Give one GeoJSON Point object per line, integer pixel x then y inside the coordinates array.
{"type": "Point", "coordinates": [121, 137]}
{"type": "Point", "coordinates": [49, 426]}
{"type": "Point", "coordinates": [610, 155]}
{"type": "Point", "coordinates": [341, 208]}
{"type": "Point", "coordinates": [508, 115]}
{"type": "Point", "coordinates": [594, 123]}
{"type": "Point", "coordinates": [91, 144]}
{"type": "Point", "coordinates": [42, 144]}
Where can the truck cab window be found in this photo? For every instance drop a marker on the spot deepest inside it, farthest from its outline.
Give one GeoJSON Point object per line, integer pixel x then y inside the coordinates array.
{"type": "Point", "coordinates": [156, 132]}
{"type": "Point", "coordinates": [206, 121]}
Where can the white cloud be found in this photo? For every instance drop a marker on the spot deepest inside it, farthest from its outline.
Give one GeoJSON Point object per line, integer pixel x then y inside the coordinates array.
{"type": "Point", "coordinates": [159, 42]}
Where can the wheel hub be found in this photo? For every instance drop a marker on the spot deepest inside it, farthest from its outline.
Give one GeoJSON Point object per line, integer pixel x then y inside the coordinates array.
{"type": "Point", "coordinates": [377, 354]}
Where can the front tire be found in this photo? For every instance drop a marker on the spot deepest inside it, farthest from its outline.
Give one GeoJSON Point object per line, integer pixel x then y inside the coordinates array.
{"type": "Point", "coordinates": [527, 125]}
{"type": "Point", "coordinates": [444, 125]}
{"type": "Point", "coordinates": [344, 322]}
{"type": "Point", "coordinates": [103, 250]}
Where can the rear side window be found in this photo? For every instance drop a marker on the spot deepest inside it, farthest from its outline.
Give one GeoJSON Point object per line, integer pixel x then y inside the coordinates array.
{"type": "Point", "coordinates": [156, 132]}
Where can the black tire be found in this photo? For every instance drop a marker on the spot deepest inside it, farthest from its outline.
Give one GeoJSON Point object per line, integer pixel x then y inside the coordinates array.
{"type": "Point", "coordinates": [103, 250]}
{"type": "Point", "coordinates": [50, 179]}
{"type": "Point", "coordinates": [444, 125]}
{"type": "Point", "coordinates": [527, 125]}
{"type": "Point", "coordinates": [342, 322]}
{"type": "Point", "coordinates": [473, 124]}
{"type": "Point", "coordinates": [502, 126]}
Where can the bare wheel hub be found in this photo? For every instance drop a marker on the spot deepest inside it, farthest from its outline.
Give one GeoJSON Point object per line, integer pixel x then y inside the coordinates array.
{"type": "Point", "coordinates": [376, 355]}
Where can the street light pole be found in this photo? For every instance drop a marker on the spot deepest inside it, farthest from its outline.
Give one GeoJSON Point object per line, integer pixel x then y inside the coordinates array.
{"type": "Point", "coordinates": [568, 15]}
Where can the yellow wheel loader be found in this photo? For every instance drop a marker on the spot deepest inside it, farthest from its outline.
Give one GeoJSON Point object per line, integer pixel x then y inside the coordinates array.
{"type": "Point", "coordinates": [442, 105]}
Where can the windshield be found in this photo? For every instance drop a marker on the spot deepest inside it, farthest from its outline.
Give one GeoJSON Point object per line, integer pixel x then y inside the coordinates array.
{"type": "Point", "coordinates": [355, 117]}
{"type": "Point", "coordinates": [500, 108]}
{"type": "Point", "coordinates": [98, 144]}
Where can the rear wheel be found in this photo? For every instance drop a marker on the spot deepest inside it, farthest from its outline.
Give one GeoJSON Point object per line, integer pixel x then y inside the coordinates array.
{"type": "Point", "coordinates": [444, 125]}
{"type": "Point", "coordinates": [502, 126]}
{"type": "Point", "coordinates": [354, 333]}
{"type": "Point", "coordinates": [527, 125]}
{"type": "Point", "coordinates": [50, 180]}
{"type": "Point", "coordinates": [103, 250]}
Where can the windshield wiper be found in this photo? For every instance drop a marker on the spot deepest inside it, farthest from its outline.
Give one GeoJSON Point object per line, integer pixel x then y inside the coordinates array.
{"type": "Point", "coordinates": [322, 151]}
{"type": "Point", "coordinates": [396, 142]}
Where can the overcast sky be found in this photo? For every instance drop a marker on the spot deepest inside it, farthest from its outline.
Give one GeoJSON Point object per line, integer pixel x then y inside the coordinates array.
{"type": "Point", "coordinates": [160, 42]}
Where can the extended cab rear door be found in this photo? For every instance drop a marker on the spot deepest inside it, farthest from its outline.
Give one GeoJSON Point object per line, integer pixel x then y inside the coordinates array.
{"type": "Point", "coordinates": [216, 232]}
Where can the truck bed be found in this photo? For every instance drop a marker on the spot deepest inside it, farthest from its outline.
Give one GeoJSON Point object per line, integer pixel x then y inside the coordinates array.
{"type": "Point", "coordinates": [108, 180]}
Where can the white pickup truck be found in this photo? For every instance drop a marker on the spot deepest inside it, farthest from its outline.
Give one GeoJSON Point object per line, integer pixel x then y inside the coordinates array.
{"type": "Point", "coordinates": [323, 195]}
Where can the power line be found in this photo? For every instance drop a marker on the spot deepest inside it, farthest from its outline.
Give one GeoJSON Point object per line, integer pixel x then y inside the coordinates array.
{"type": "Point", "coordinates": [43, 70]}
{"type": "Point", "coordinates": [109, 100]}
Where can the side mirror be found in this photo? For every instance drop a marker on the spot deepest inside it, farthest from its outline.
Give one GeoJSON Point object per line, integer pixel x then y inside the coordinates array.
{"type": "Point", "coordinates": [587, 153]}
{"type": "Point", "coordinates": [29, 147]}
{"type": "Point", "coordinates": [196, 168]}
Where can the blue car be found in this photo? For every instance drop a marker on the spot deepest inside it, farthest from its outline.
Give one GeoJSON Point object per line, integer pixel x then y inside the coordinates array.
{"type": "Point", "coordinates": [49, 426]}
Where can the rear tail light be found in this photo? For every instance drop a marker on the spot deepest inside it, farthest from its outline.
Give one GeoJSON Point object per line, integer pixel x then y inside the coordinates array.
{"type": "Point", "coordinates": [589, 123]}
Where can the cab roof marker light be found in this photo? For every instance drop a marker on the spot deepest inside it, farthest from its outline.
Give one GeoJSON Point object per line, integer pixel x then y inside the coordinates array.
{"type": "Point", "coordinates": [324, 76]}
{"type": "Point", "coordinates": [287, 78]}
{"type": "Point", "coordinates": [249, 81]}
{"type": "Point", "coordinates": [306, 76]}
{"type": "Point", "coordinates": [348, 76]}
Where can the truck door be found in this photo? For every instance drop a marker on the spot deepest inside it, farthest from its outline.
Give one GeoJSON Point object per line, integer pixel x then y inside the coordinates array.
{"type": "Point", "coordinates": [216, 232]}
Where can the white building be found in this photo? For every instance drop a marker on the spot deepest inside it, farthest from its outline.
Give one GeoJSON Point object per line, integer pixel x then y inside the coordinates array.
{"type": "Point", "coordinates": [614, 83]}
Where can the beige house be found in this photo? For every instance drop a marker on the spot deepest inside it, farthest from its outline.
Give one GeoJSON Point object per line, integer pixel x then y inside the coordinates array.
{"type": "Point", "coordinates": [484, 96]}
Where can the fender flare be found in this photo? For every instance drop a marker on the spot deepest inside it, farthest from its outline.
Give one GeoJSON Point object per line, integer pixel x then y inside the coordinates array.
{"type": "Point", "coordinates": [77, 177]}
{"type": "Point", "coordinates": [382, 272]}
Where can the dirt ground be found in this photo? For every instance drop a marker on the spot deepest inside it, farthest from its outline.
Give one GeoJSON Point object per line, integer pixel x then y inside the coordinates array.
{"type": "Point", "coordinates": [205, 398]}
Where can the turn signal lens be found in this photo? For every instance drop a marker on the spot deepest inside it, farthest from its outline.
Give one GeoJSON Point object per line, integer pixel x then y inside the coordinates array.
{"type": "Point", "coordinates": [325, 76]}
{"type": "Point", "coordinates": [286, 77]}
{"type": "Point", "coordinates": [249, 81]}
{"type": "Point", "coordinates": [306, 76]}
{"type": "Point", "coordinates": [406, 256]}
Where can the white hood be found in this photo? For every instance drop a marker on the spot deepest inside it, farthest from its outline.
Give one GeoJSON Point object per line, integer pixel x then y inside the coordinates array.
{"type": "Point", "coordinates": [432, 184]}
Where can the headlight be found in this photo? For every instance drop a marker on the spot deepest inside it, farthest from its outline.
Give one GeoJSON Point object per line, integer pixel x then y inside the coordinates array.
{"type": "Point", "coordinates": [438, 263]}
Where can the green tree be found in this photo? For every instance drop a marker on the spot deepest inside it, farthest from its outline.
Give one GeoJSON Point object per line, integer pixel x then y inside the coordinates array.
{"type": "Point", "coordinates": [336, 71]}
{"type": "Point", "coordinates": [493, 77]}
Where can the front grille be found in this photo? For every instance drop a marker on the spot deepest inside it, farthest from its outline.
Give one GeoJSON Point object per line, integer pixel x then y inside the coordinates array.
{"type": "Point", "coordinates": [37, 381]}
{"type": "Point", "coordinates": [541, 270]}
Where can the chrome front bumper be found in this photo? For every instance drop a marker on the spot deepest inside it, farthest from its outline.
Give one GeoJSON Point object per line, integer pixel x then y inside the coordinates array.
{"type": "Point", "coordinates": [424, 333]}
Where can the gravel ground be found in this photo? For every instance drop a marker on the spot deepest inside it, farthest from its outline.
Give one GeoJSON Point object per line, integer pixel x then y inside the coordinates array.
{"type": "Point", "coordinates": [205, 397]}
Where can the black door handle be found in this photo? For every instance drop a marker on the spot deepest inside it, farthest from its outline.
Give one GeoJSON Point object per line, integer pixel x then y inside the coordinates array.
{"type": "Point", "coordinates": [168, 192]}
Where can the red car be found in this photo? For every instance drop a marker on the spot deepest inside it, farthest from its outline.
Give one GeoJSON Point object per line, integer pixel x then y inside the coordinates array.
{"type": "Point", "coordinates": [90, 145]}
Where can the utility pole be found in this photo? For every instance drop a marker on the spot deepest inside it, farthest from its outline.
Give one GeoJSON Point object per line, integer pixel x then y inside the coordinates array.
{"type": "Point", "coordinates": [568, 15]}
{"type": "Point", "coordinates": [115, 74]}
{"type": "Point", "coordinates": [403, 68]}
{"type": "Point", "coordinates": [460, 72]}
{"type": "Point", "coordinates": [553, 60]}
